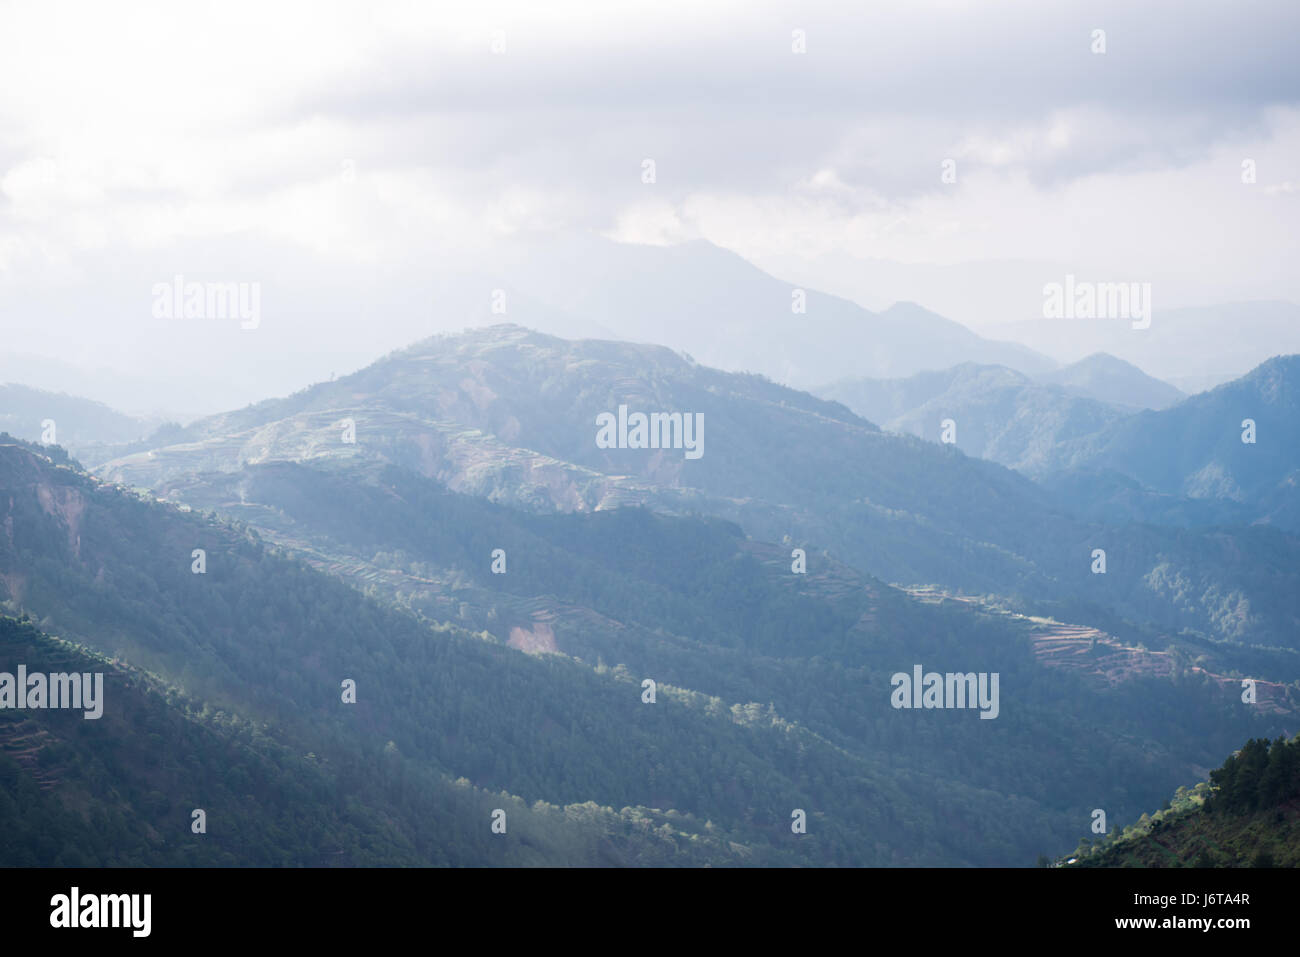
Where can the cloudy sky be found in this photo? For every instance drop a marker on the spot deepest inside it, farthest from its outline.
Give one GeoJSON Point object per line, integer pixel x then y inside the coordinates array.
{"type": "Point", "coordinates": [340, 155]}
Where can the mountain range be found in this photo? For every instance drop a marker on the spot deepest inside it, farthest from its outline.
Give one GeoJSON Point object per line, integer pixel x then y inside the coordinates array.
{"type": "Point", "coordinates": [710, 303]}
{"type": "Point", "coordinates": [1192, 348]}
{"type": "Point", "coordinates": [1002, 415]}
{"type": "Point", "coordinates": [511, 415]}
{"type": "Point", "coordinates": [448, 528]}
{"type": "Point", "coordinates": [773, 687]}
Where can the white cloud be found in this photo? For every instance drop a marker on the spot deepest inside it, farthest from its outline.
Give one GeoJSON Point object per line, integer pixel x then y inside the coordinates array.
{"type": "Point", "coordinates": [214, 137]}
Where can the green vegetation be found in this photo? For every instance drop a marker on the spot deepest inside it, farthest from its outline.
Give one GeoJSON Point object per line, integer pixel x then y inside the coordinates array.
{"type": "Point", "coordinates": [1246, 815]}
{"type": "Point", "coordinates": [331, 560]}
{"type": "Point", "coordinates": [773, 688]}
{"type": "Point", "coordinates": [119, 791]}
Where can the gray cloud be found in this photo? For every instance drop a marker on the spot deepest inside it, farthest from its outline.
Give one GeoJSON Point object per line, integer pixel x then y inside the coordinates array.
{"type": "Point", "coordinates": [212, 143]}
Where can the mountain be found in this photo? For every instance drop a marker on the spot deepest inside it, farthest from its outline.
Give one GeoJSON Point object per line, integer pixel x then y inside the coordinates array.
{"type": "Point", "coordinates": [121, 790]}
{"type": "Point", "coordinates": [263, 639]}
{"type": "Point", "coordinates": [380, 568]}
{"type": "Point", "coordinates": [1107, 379]}
{"type": "Point", "coordinates": [512, 416]}
{"type": "Point", "coordinates": [1003, 415]}
{"type": "Point", "coordinates": [773, 686]}
{"type": "Point", "coordinates": [996, 413]}
{"type": "Point", "coordinates": [1190, 345]}
{"type": "Point", "coordinates": [694, 297]}
{"type": "Point", "coordinates": [1204, 449]}
{"type": "Point", "coordinates": [76, 423]}
{"type": "Point", "coordinates": [1075, 431]}
{"type": "Point", "coordinates": [709, 302]}
{"type": "Point", "coordinates": [1246, 815]}
{"type": "Point", "coordinates": [150, 397]}
{"type": "Point", "coordinates": [975, 293]}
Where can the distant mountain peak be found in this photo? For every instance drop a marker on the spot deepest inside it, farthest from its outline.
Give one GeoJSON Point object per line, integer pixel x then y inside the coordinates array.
{"type": "Point", "coordinates": [1107, 378]}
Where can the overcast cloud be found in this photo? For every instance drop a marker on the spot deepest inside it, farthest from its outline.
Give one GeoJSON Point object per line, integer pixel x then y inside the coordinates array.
{"type": "Point", "coordinates": [343, 154]}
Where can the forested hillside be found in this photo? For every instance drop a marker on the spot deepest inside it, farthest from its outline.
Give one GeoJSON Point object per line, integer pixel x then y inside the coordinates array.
{"type": "Point", "coordinates": [1233, 448]}
{"type": "Point", "coordinates": [1246, 815]}
{"type": "Point", "coordinates": [773, 689]}
{"type": "Point", "coordinates": [121, 791]}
